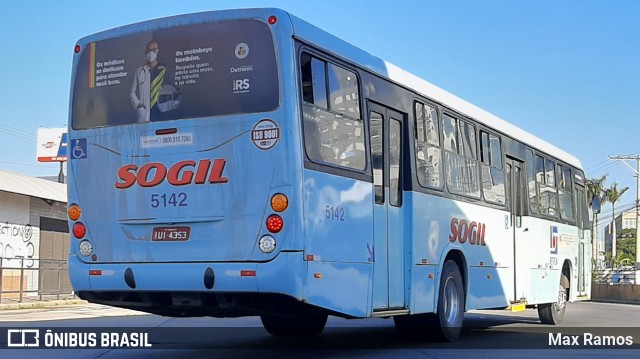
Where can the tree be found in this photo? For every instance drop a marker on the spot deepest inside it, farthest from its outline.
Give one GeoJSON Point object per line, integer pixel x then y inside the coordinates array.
{"type": "Point", "coordinates": [627, 245]}
{"type": "Point", "coordinates": [613, 194]}
{"type": "Point", "coordinates": [595, 188]}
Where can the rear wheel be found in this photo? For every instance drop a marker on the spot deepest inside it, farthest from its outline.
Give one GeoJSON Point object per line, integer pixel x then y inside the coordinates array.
{"type": "Point", "coordinates": [446, 324]}
{"type": "Point", "coordinates": [553, 313]}
{"type": "Point", "coordinates": [306, 325]}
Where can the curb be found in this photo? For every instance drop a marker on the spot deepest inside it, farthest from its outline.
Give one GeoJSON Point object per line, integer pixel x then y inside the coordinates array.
{"type": "Point", "coordinates": [616, 301]}
{"type": "Point", "coordinates": [43, 304]}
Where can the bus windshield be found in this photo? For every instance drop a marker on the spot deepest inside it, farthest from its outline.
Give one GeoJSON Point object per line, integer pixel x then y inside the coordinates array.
{"type": "Point", "coordinates": [193, 71]}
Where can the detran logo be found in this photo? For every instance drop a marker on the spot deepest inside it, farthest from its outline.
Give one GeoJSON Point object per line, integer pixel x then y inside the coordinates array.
{"type": "Point", "coordinates": [179, 174]}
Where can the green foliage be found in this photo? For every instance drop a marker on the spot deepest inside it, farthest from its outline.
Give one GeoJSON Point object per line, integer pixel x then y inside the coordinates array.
{"type": "Point", "coordinates": [627, 245]}
{"type": "Point", "coordinates": [626, 251]}
{"type": "Point", "coordinates": [595, 188]}
{"type": "Point", "coordinates": [613, 194]}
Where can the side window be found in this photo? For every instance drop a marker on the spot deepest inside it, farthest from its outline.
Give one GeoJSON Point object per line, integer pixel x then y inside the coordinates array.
{"type": "Point", "coordinates": [333, 128]}
{"type": "Point", "coordinates": [545, 178]}
{"type": "Point", "coordinates": [491, 168]}
{"type": "Point", "coordinates": [395, 165]}
{"type": "Point", "coordinates": [427, 145]}
{"type": "Point", "coordinates": [582, 209]}
{"type": "Point", "coordinates": [460, 157]}
{"type": "Point", "coordinates": [377, 155]}
{"type": "Point", "coordinates": [343, 91]}
{"type": "Point", "coordinates": [531, 183]}
{"type": "Point", "coordinates": [467, 141]}
{"type": "Point", "coordinates": [550, 172]}
{"type": "Point", "coordinates": [450, 138]}
{"type": "Point", "coordinates": [565, 193]}
{"type": "Point", "coordinates": [314, 88]}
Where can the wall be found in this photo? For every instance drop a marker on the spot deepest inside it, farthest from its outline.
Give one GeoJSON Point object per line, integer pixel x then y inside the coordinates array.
{"type": "Point", "coordinates": [615, 292]}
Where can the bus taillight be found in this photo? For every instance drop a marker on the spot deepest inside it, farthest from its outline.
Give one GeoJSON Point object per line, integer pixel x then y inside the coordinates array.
{"type": "Point", "coordinates": [272, 20]}
{"type": "Point", "coordinates": [77, 49]}
{"type": "Point", "coordinates": [79, 230]}
{"type": "Point", "coordinates": [86, 248]}
{"type": "Point", "coordinates": [279, 202]}
{"type": "Point", "coordinates": [275, 223]}
{"type": "Point", "coordinates": [267, 244]}
{"type": "Point", "coordinates": [74, 212]}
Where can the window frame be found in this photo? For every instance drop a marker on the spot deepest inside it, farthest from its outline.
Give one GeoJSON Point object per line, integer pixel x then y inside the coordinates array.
{"type": "Point", "coordinates": [416, 138]}
{"type": "Point", "coordinates": [459, 147]}
{"type": "Point", "coordinates": [488, 155]}
{"type": "Point", "coordinates": [324, 166]}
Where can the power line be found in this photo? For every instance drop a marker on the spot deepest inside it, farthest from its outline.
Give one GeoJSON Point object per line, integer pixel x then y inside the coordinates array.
{"type": "Point", "coordinates": [601, 167]}
{"type": "Point", "coordinates": [18, 135]}
{"type": "Point", "coordinates": [29, 134]}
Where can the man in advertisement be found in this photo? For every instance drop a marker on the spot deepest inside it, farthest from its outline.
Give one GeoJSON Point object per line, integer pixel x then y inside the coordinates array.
{"type": "Point", "coordinates": [147, 83]}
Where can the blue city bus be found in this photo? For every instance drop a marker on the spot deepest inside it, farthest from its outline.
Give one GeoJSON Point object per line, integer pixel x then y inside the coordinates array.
{"type": "Point", "coordinates": [244, 162]}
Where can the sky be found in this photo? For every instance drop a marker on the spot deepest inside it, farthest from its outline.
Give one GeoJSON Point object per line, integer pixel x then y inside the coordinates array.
{"type": "Point", "coordinates": [566, 71]}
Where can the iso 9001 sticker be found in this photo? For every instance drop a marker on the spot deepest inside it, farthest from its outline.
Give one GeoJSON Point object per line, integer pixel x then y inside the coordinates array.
{"type": "Point", "coordinates": [265, 134]}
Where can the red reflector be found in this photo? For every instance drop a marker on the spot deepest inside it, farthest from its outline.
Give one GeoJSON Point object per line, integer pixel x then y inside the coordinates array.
{"type": "Point", "coordinates": [247, 273]}
{"type": "Point", "coordinates": [166, 131]}
{"type": "Point", "coordinates": [77, 49]}
{"type": "Point", "coordinates": [310, 257]}
{"type": "Point", "coordinates": [275, 223]}
{"type": "Point", "coordinates": [272, 20]}
{"type": "Point", "coordinates": [79, 230]}
{"type": "Point", "coordinates": [95, 271]}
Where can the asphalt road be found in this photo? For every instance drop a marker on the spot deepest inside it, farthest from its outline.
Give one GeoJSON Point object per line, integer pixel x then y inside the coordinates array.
{"type": "Point", "coordinates": [487, 334]}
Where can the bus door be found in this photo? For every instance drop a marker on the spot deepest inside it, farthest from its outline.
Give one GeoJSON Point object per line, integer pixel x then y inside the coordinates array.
{"type": "Point", "coordinates": [386, 157]}
{"type": "Point", "coordinates": [584, 253]}
{"type": "Point", "coordinates": [516, 190]}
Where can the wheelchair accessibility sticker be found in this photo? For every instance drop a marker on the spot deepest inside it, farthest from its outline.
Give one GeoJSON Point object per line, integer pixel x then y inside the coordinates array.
{"type": "Point", "coordinates": [79, 149]}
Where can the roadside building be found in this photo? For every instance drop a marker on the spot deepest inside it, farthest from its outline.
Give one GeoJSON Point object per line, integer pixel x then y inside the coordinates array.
{"type": "Point", "coordinates": [34, 237]}
{"type": "Point", "coordinates": [624, 220]}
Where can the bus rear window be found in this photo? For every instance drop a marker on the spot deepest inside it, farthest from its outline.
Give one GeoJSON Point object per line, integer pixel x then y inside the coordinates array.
{"type": "Point", "coordinates": [193, 71]}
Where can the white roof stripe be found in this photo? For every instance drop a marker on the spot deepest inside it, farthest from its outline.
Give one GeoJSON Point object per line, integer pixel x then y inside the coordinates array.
{"type": "Point", "coordinates": [431, 91]}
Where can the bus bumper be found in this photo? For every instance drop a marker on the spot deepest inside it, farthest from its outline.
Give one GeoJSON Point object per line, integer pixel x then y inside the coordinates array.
{"type": "Point", "coordinates": [197, 288]}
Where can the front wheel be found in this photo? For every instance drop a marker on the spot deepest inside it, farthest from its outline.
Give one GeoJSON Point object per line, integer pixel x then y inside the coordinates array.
{"type": "Point", "coordinates": [553, 313]}
{"type": "Point", "coordinates": [307, 325]}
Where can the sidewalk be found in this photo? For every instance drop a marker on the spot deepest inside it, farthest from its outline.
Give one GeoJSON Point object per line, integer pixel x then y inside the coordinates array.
{"type": "Point", "coordinates": [35, 302]}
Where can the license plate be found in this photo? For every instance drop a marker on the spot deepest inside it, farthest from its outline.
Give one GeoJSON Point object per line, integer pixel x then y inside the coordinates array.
{"type": "Point", "coordinates": [166, 234]}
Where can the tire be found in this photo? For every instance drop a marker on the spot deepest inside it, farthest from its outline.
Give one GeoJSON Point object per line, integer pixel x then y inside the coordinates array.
{"type": "Point", "coordinates": [446, 323]}
{"type": "Point", "coordinates": [553, 313]}
{"type": "Point", "coordinates": [308, 325]}
{"type": "Point", "coordinates": [451, 303]}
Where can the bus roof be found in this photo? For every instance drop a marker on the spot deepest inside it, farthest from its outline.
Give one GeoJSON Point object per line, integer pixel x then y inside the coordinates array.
{"type": "Point", "coordinates": [341, 48]}
{"type": "Point", "coordinates": [308, 32]}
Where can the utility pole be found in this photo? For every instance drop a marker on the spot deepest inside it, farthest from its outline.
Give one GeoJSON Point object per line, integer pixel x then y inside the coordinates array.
{"type": "Point", "coordinates": [624, 159]}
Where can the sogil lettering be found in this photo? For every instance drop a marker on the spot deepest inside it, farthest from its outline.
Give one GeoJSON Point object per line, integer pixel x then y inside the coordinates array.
{"type": "Point", "coordinates": [464, 231]}
{"type": "Point", "coordinates": [179, 174]}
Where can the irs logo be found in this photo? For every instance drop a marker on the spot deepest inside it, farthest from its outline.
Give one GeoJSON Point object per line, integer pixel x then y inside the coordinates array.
{"type": "Point", "coordinates": [23, 338]}
{"type": "Point", "coordinates": [241, 86]}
